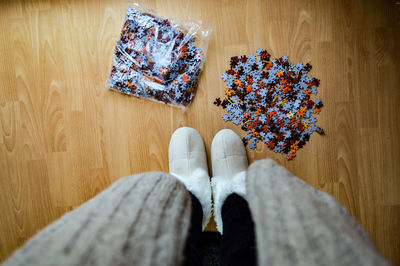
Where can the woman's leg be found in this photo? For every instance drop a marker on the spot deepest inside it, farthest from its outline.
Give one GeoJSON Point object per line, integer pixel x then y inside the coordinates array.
{"type": "Point", "coordinates": [231, 211]}
{"type": "Point", "coordinates": [296, 224]}
{"type": "Point", "coordinates": [193, 252]}
{"type": "Point", "coordinates": [188, 163]}
{"type": "Point", "coordinates": [140, 220]}
{"type": "Point", "coordinates": [238, 241]}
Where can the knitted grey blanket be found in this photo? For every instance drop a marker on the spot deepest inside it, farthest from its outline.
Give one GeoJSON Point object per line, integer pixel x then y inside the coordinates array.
{"type": "Point", "coordinates": [144, 220]}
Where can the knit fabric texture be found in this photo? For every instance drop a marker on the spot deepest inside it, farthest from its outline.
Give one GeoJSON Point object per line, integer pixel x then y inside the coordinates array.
{"type": "Point", "coordinates": [296, 224]}
{"type": "Point", "coordinates": [144, 220]}
{"type": "Point", "coordinates": [140, 220]}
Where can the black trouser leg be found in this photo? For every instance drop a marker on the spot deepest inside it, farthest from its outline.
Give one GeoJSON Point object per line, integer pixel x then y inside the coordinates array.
{"type": "Point", "coordinates": [238, 243]}
{"type": "Point", "coordinates": [193, 254]}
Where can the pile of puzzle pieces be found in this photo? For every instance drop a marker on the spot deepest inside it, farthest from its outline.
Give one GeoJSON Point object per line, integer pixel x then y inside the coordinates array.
{"type": "Point", "coordinates": [271, 101]}
{"type": "Point", "coordinates": [155, 60]}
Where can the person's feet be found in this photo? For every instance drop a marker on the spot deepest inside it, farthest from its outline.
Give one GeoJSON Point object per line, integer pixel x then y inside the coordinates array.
{"type": "Point", "coordinates": [188, 163]}
{"type": "Point", "coordinates": [229, 165]}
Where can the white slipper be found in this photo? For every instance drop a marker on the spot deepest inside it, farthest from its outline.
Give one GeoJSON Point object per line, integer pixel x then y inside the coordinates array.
{"type": "Point", "coordinates": [188, 163]}
{"type": "Point", "coordinates": [229, 165]}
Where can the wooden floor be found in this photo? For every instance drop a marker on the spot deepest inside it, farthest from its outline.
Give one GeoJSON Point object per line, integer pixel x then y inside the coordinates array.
{"type": "Point", "coordinates": [64, 138]}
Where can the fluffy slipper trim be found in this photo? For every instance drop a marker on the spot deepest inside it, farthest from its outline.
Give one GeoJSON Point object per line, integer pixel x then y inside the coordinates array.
{"type": "Point", "coordinates": [199, 185]}
{"type": "Point", "coordinates": [222, 187]}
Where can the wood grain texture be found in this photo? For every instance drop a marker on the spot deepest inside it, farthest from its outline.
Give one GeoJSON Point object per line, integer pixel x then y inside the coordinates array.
{"type": "Point", "coordinates": [64, 138]}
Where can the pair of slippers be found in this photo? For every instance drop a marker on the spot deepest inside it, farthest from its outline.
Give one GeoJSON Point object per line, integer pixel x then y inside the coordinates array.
{"type": "Point", "coordinates": [188, 163]}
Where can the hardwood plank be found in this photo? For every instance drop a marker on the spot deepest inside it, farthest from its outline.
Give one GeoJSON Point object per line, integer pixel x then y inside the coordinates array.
{"type": "Point", "coordinates": [64, 138]}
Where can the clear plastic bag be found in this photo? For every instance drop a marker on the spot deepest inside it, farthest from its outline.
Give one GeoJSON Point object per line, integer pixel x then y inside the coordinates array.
{"type": "Point", "coordinates": [159, 58]}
